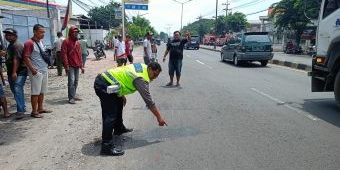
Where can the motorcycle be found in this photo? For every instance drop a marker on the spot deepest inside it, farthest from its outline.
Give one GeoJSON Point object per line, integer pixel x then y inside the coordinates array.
{"type": "Point", "coordinates": [98, 51]}
{"type": "Point", "coordinates": [293, 49]}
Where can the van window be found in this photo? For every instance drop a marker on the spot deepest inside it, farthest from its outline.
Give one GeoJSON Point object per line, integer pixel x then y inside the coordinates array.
{"type": "Point", "coordinates": [330, 7]}
{"type": "Point", "coordinates": [256, 38]}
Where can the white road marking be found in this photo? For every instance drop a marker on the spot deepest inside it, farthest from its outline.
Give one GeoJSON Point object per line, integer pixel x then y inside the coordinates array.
{"type": "Point", "coordinates": [203, 64]}
{"type": "Point", "coordinates": [286, 105]}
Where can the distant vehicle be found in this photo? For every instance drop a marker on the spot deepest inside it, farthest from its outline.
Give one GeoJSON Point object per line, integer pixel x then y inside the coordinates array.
{"type": "Point", "coordinates": [248, 47]}
{"type": "Point", "coordinates": [209, 40]}
{"type": "Point", "coordinates": [220, 41]}
{"type": "Point", "coordinates": [325, 64]}
{"type": "Point", "coordinates": [194, 44]}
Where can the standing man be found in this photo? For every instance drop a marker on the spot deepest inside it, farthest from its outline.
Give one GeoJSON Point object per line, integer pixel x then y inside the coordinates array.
{"type": "Point", "coordinates": [147, 47]}
{"type": "Point", "coordinates": [16, 70]}
{"type": "Point", "coordinates": [84, 51]}
{"type": "Point", "coordinates": [111, 88]}
{"type": "Point", "coordinates": [175, 47]}
{"type": "Point", "coordinates": [120, 51]}
{"type": "Point", "coordinates": [72, 60]}
{"type": "Point", "coordinates": [56, 52]}
{"type": "Point", "coordinates": [115, 43]}
{"type": "Point", "coordinates": [3, 100]}
{"type": "Point", "coordinates": [38, 72]}
{"type": "Point", "coordinates": [128, 48]}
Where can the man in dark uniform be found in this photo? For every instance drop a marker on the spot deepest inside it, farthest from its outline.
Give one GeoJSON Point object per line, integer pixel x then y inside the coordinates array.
{"type": "Point", "coordinates": [111, 88]}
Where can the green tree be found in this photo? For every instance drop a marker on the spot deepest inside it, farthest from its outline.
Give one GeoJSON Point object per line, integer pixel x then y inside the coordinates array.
{"type": "Point", "coordinates": [105, 15]}
{"type": "Point", "coordinates": [294, 15]}
{"type": "Point", "coordinates": [236, 22]}
{"type": "Point", "coordinates": [139, 27]}
{"type": "Point", "coordinates": [163, 36]}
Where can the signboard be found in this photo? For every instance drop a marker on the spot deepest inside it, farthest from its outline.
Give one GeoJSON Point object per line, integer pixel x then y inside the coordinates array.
{"type": "Point", "coordinates": [118, 13]}
{"type": "Point", "coordinates": [136, 1]}
{"type": "Point", "coordinates": [136, 7]}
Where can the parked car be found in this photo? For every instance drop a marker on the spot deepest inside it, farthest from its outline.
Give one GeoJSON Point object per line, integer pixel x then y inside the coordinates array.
{"type": "Point", "coordinates": [194, 44]}
{"type": "Point", "coordinates": [248, 47]}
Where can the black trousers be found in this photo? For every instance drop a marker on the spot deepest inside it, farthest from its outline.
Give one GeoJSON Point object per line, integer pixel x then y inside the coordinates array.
{"type": "Point", "coordinates": [112, 111]}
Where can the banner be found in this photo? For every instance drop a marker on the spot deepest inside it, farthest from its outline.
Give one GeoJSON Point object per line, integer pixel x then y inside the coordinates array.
{"type": "Point", "coordinates": [68, 15]}
{"type": "Point", "coordinates": [136, 1]}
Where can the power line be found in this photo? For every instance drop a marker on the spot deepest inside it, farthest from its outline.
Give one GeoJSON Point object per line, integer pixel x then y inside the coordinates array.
{"type": "Point", "coordinates": [251, 3]}
{"type": "Point", "coordinates": [257, 12]}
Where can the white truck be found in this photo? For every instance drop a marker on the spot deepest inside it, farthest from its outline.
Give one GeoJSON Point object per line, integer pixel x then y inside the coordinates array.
{"type": "Point", "coordinates": [326, 62]}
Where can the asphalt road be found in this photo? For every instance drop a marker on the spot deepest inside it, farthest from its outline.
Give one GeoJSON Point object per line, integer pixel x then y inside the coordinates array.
{"type": "Point", "coordinates": [227, 117]}
{"type": "Point", "coordinates": [221, 118]}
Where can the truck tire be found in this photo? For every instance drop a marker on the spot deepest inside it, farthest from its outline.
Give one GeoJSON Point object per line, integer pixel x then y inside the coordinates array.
{"type": "Point", "coordinates": [337, 88]}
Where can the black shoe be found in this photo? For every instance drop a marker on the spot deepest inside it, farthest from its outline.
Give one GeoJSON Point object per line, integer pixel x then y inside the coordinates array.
{"type": "Point", "coordinates": [121, 131]}
{"type": "Point", "coordinates": [110, 150]}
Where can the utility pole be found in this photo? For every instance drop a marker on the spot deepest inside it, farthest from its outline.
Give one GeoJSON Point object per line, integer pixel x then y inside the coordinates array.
{"type": "Point", "coordinates": [226, 7]}
{"type": "Point", "coordinates": [216, 23]}
{"type": "Point", "coordinates": [168, 29]}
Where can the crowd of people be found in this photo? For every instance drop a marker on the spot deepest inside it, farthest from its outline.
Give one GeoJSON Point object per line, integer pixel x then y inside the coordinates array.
{"type": "Point", "coordinates": [111, 86]}
{"type": "Point", "coordinates": [30, 59]}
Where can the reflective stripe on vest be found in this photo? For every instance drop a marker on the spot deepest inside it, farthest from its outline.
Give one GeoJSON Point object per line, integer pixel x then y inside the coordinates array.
{"type": "Point", "coordinates": [110, 78]}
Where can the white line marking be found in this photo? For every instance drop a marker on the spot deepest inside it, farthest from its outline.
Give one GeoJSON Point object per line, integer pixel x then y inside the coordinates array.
{"type": "Point", "coordinates": [203, 64]}
{"type": "Point", "coordinates": [286, 105]}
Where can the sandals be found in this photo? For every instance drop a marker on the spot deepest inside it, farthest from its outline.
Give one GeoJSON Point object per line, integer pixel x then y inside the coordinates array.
{"type": "Point", "coordinates": [6, 116]}
{"type": "Point", "coordinates": [36, 115]}
{"type": "Point", "coordinates": [45, 111]}
{"type": "Point", "coordinates": [19, 116]}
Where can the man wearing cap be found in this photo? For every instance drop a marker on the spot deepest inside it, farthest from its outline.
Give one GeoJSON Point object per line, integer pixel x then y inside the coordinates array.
{"type": "Point", "coordinates": [72, 60]}
{"type": "Point", "coordinates": [37, 70]}
{"type": "Point", "coordinates": [16, 70]}
{"type": "Point", "coordinates": [147, 47]}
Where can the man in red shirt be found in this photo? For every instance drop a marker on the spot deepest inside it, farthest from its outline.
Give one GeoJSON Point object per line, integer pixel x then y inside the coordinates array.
{"type": "Point", "coordinates": [128, 48]}
{"type": "Point", "coordinates": [72, 60]}
{"type": "Point", "coordinates": [37, 72]}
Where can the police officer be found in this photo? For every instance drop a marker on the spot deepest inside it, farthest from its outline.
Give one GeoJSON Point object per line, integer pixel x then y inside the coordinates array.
{"type": "Point", "coordinates": [111, 88]}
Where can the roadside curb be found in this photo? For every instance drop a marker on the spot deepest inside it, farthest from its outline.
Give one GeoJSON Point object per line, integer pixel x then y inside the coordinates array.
{"type": "Point", "coordinates": [298, 66]}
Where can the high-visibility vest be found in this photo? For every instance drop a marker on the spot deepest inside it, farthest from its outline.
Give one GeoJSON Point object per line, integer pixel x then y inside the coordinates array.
{"type": "Point", "coordinates": [124, 76]}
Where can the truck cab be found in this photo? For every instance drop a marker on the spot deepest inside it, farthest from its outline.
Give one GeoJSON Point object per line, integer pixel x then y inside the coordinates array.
{"type": "Point", "coordinates": [326, 62]}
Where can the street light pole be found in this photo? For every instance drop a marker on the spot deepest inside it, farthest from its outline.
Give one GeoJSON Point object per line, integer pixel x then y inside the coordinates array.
{"type": "Point", "coordinates": [182, 3]}
{"type": "Point", "coordinates": [216, 24]}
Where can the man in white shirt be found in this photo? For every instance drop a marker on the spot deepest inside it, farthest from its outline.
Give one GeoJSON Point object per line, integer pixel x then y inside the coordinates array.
{"type": "Point", "coordinates": [120, 52]}
{"type": "Point", "coordinates": [115, 43]}
{"type": "Point", "coordinates": [147, 48]}
{"type": "Point", "coordinates": [56, 52]}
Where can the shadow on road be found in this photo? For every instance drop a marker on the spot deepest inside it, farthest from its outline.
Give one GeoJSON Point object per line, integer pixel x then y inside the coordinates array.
{"type": "Point", "coordinates": [245, 64]}
{"type": "Point", "coordinates": [136, 140]}
{"type": "Point", "coordinates": [121, 142]}
{"type": "Point", "coordinates": [325, 109]}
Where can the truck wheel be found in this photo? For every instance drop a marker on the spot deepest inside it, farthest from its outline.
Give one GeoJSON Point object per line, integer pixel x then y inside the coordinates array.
{"type": "Point", "coordinates": [337, 89]}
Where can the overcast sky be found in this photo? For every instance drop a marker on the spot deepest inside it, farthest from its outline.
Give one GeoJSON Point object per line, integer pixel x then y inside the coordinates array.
{"type": "Point", "coordinates": [165, 15]}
